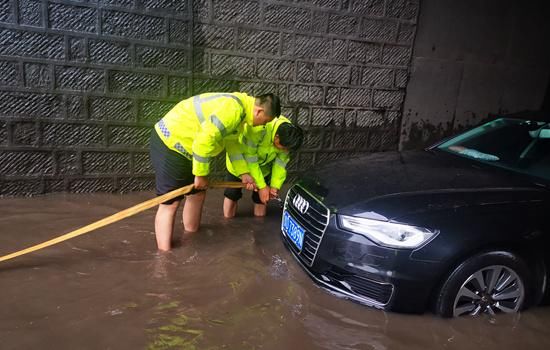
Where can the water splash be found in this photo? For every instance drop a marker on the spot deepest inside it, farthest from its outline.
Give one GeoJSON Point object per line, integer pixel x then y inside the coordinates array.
{"type": "Point", "coordinates": [278, 268]}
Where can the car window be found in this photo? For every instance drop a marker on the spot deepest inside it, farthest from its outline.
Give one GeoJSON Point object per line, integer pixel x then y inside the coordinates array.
{"type": "Point", "coordinates": [519, 145]}
{"type": "Point", "coordinates": [537, 160]}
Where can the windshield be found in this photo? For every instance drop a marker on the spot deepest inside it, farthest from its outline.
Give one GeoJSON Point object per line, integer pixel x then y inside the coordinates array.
{"type": "Point", "coordinates": [519, 145]}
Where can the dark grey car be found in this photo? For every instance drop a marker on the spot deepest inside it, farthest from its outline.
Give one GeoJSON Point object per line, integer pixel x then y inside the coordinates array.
{"type": "Point", "coordinates": [462, 227]}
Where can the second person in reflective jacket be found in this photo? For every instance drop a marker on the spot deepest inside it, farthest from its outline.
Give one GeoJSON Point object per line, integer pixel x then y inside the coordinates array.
{"type": "Point", "coordinates": [262, 154]}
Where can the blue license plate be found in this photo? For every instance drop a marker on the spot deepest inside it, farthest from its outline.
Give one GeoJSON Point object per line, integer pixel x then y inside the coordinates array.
{"type": "Point", "coordinates": [293, 230]}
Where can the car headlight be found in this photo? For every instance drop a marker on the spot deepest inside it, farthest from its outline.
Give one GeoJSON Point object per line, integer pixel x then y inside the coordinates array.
{"type": "Point", "coordinates": [387, 234]}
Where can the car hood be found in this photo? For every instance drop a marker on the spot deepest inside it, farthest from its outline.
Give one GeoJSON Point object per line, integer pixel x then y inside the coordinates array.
{"type": "Point", "coordinates": [391, 184]}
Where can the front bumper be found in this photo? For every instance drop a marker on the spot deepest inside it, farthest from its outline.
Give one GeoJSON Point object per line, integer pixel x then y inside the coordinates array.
{"type": "Point", "coordinates": [354, 267]}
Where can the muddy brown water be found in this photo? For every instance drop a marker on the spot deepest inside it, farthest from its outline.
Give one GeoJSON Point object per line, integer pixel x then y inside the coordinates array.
{"type": "Point", "coordinates": [232, 285]}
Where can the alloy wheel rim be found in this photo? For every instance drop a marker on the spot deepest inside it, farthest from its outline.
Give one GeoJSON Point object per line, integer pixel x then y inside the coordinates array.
{"type": "Point", "coordinates": [493, 289]}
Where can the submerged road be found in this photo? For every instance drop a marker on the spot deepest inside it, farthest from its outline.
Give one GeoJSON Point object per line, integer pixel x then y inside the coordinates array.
{"type": "Point", "coordinates": [232, 285]}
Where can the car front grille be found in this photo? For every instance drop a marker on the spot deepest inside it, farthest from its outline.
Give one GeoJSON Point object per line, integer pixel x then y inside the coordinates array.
{"type": "Point", "coordinates": [314, 221]}
{"type": "Point", "coordinates": [363, 287]}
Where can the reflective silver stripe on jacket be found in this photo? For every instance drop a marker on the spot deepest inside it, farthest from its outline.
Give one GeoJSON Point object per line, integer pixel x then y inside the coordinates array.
{"type": "Point", "coordinates": [234, 157]}
{"type": "Point", "coordinates": [197, 100]}
{"type": "Point", "coordinates": [251, 159]}
{"type": "Point", "coordinates": [280, 162]}
{"type": "Point", "coordinates": [249, 143]}
{"type": "Point", "coordinates": [216, 121]}
{"type": "Point", "coordinates": [201, 159]}
{"type": "Point", "coordinates": [213, 97]}
{"type": "Point", "coordinates": [198, 109]}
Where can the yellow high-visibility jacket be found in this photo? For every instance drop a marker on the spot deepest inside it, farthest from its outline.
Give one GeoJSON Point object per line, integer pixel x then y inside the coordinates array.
{"type": "Point", "coordinates": [196, 127]}
{"type": "Point", "coordinates": [253, 152]}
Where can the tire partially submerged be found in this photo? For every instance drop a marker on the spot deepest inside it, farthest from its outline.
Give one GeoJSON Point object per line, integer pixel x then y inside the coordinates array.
{"type": "Point", "coordinates": [490, 282]}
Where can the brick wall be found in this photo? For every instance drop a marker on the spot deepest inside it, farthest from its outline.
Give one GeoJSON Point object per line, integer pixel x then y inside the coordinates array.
{"type": "Point", "coordinates": [82, 82]}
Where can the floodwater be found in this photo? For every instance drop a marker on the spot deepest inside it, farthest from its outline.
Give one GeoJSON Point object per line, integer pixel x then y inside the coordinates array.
{"type": "Point", "coordinates": [232, 285]}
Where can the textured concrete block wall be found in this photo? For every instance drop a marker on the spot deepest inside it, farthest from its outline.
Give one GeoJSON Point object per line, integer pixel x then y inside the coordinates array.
{"type": "Point", "coordinates": [82, 82]}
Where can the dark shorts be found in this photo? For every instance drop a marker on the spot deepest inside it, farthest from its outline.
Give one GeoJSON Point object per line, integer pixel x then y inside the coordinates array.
{"type": "Point", "coordinates": [236, 193]}
{"type": "Point", "coordinates": [172, 170]}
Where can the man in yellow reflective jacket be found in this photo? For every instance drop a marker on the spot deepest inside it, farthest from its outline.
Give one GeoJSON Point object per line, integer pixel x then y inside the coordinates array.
{"type": "Point", "coordinates": [260, 152]}
{"type": "Point", "coordinates": [185, 140]}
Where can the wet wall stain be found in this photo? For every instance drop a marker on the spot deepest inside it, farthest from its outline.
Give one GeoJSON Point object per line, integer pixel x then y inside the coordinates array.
{"type": "Point", "coordinates": [424, 132]}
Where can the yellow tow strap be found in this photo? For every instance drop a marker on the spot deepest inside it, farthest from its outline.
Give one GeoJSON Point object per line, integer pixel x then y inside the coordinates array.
{"type": "Point", "coordinates": [119, 216]}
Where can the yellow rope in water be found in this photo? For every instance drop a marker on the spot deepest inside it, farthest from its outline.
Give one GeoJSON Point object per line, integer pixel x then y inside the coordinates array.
{"type": "Point", "coordinates": [119, 216]}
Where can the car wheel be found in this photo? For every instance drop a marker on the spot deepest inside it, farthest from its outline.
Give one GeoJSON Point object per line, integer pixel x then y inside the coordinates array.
{"type": "Point", "coordinates": [491, 282]}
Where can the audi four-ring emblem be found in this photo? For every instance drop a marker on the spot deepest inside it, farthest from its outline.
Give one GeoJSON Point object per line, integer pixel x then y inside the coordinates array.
{"type": "Point", "coordinates": [301, 204]}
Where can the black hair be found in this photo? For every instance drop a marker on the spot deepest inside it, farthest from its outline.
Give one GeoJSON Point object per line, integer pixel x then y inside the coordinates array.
{"type": "Point", "coordinates": [271, 104]}
{"type": "Point", "coordinates": [290, 136]}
